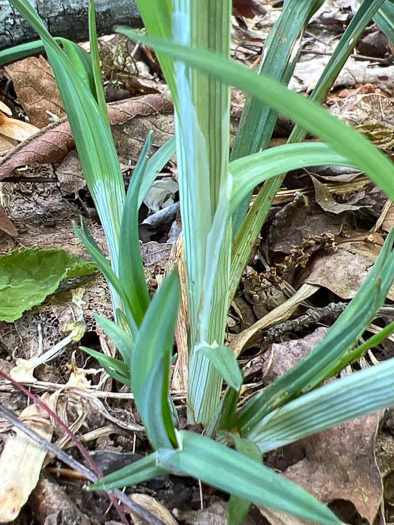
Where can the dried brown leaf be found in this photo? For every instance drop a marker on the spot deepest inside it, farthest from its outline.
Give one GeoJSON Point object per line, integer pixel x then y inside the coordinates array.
{"type": "Point", "coordinates": [36, 88]}
{"type": "Point", "coordinates": [339, 465]}
{"type": "Point", "coordinates": [6, 225]}
{"type": "Point", "coordinates": [345, 270]}
{"type": "Point", "coordinates": [21, 461]}
{"type": "Point", "coordinates": [51, 145]}
{"type": "Point", "coordinates": [327, 202]}
{"type": "Point", "coordinates": [300, 220]}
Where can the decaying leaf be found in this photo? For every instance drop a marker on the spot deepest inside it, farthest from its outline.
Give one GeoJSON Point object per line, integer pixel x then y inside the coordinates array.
{"type": "Point", "coordinates": [153, 506]}
{"type": "Point", "coordinates": [16, 129]}
{"type": "Point", "coordinates": [327, 202]}
{"type": "Point", "coordinates": [337, 464]}
{"type": "Point", "coordinates": [21, 461]}
{"type": "Point", "coordinates": [51, 504]}
{"type": "Point", "coordinates": [161, 194]}
{"type": "Point", "coordinates": [152, 252]}
{"type": "Point", "coordinates": [344, 270]}
{"type": "Point", "coordinates": [300, 220]}
{"type": "Point", "coordinates": [36, 88]}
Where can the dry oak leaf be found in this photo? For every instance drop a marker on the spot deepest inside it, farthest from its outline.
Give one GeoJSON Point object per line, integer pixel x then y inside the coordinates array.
{"type": "Point", "coordinates": [36, 89]}
{"type": "Point", "coordinates": [52, 144]}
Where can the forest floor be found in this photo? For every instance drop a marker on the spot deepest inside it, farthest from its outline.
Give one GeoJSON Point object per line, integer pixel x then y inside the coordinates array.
{"type": "Point", "coordinates": [323, 233]}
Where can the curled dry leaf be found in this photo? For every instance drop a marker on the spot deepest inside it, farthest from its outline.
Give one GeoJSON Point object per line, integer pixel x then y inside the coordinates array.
{"type": "Point", "coordinates": [338, 466]}
{"type": "Point", "coordinates": [300, 220]}
{"type": "Point", "coordinates": [52, 144]}
{"type": "Point", "coordinates": [153, 506]}
{"type": "Point", "coordinates": [16, 129]}
{"type": "Point", "coordinates": [21, 461]}
{"type": "Point", "coordinates": [327, 201]}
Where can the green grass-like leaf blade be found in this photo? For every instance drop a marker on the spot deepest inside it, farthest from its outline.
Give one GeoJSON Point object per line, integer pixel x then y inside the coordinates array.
{"type": "Point", "coordinates": [137, 472]}
{"type": "Point", "coordinates": [347, 398]}
{"type": "Point", "coordinates": [154, 344]}
{"type": "Point", "coordinates": [225, 362]}
{"type": "Point", "coordinates": [318, 121]}
{"type": "Point", "coordinates": [249, 171]}
{"type": "Point", "coordinates": [226, 469]}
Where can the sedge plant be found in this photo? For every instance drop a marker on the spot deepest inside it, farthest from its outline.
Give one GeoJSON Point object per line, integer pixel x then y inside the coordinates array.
{"type": "Point", "coordinates": [192, 41]}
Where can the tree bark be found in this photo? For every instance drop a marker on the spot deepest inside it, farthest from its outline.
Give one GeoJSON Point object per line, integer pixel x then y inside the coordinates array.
{"type": "Point", "coordinates": [67, 18]}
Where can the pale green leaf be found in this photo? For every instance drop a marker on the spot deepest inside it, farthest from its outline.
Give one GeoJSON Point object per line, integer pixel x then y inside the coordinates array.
{"type": "Point", "coordinates": [249, 171]}
{"type": "Point", "coordinates": [281, 52]}
{"type": "Point", "coordinates": [337, 402]}
{"type": "Point", "coordinates": [91, 132]}
{"type": "Point", "coordinates": [225, 362]}
{"type": "Point", "coordinates": [131, 268]}
{"type": "Point", "coordinates": [122, 340]}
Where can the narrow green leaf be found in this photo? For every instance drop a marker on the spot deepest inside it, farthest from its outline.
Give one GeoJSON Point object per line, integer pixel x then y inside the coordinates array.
{"type": "Point", "coordinates": [228, 470]}
{"type": "Point", "coordinates": [15, 53]}
{"type": "Point", "coordinates": [95, 61]}
{"type": "Point", "coordinates": [131, 268]}
{"type": "Point", "coordinates": [249, 171]}
{"type": "Point", "coordinates": [28, 277]}
{"type": "Point", "coordinates": [137, 472]}
{"type": "Point", "coordinates": [121, 339]}
{"type": "Point", "coordinates": [251, 227]}
{"type": "Point", "coordinates": [326, 355]}
{"type": "Point", "coordinates": [153, 345]}
{"type": "Point", "coordinates": [317, 120]}
{"type": "Point", "coordinates": [281, 53]}
{"type": "Point", "coordinates": [347, 398]}
{"type": "Point", "coordinates": [114, 367]}
{"type": "Point", "coordinates": [384, 18]}
{"type": "Point", "coordinates": [157, 18]}
{"type": "Point", "coordinates": [154, 405]}
{"type": "Point", "coordinates": [80, 61]}
{"type": "Point", "coordinates": [225, 362]}
{"type": "Point", "coordinates": [87, 240]}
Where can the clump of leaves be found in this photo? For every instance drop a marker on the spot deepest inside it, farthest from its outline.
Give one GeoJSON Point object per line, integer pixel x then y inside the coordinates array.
{"type": "Point", "coordinates": [192, 40]}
